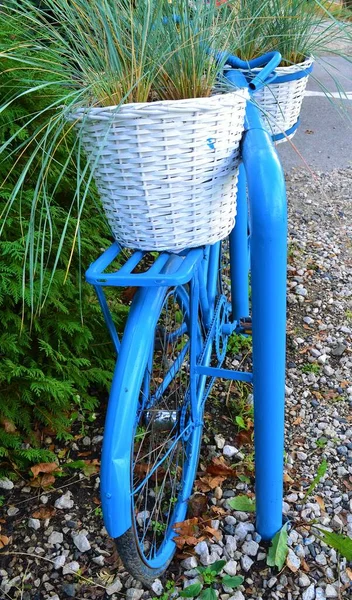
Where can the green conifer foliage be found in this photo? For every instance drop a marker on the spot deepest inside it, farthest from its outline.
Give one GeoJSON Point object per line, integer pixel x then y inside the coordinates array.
{"type": "Point", "coordinates": [58, 358]}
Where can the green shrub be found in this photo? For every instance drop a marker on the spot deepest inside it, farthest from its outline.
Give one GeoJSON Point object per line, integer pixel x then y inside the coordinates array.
{"type": "Point", "coordinates": [57, 359]}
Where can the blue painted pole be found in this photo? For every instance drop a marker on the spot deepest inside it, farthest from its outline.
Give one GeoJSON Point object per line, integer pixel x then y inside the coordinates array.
{"type": "Point", "coordinates": [239, 260]}
{"type": "Point", "coordinates": [268, 219]}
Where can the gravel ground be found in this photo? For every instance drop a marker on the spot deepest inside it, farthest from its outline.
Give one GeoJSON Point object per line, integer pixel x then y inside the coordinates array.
{"type": "Point", "coordinates": [58, 547]}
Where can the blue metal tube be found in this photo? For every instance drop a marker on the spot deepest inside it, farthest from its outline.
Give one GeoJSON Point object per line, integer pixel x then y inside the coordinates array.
{"type": "Point", "coordinates": [239, 262]}
{"type": "Point", "coordinates": [268, 219]}
{"type": "Point", "coordinates": [213, 275]}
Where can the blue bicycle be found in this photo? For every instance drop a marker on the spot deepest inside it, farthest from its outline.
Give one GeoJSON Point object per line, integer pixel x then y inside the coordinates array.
{"type": "Point", "coordinates": [184, 310]}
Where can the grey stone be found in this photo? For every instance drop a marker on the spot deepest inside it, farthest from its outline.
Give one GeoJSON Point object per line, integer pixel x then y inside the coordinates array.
{"type": "Point", "coordinates": [309, 593]}
{"type": "Point", "coordinates": [246, 562]}
{"type": "Point", "coordinates": [97, 439]}
{"type": "Point", "coordinates": [99, 560]}
{"type": "Point", "coordinates": [231, 567]}
{"type": "Point", "coordinates": [81, 542]}
{"type": "Point", "coordinates": [64, 502]}
{"type": "Point", "coordinates": [142, 517]}
{"type": "Point", "coordinates": [59, 561]}
{"type": "Point", "coordinates": [12, 511]}
{"type": "Point", "coordinates": [6, 484]}
{"type": "Point", "coordinates": [229, 451]}
{"type": "Point", "coordinates": [320, 594]}
{"type": "Point", "coordinates": [114, 587]}
{"type": "Point", "coordinates": [238, 596]}
{"type": "Point", "coordinates": [301, 455]}
{"type": "Point", "coordinates": [86, 441]}
{"type": "Point", "coordinates": [208, 559]}
{"type": "Point", "coordinates": [134, 594]}
{"type": "Point", "coordinates": [331, 591]}
{"type": "Point", "coordinates": [304, 580]}
{"type": "Point", "coordinates": [230, 544]}
{"type": "Point", "coordinates": [272, 582]}
{"type": "Point", "coordinates": [329, 371]}
{"type": "Point", "coordinates": [320, 559]}
{"type": "Point", "coordinates": [338, 350]}
{"type": "Point", "coordinates": [242, 530]}
{"type": "Point", "coordinates": [219, 441]}
{"type": "Point", "coordinates": [71, 567]}
{"type": "Point", "coordinates": [157, 587]}
{"type": "Point", "coordinates": [56, 537]}
{"type": "Point", "coordinates": [34, 523]}
{"type": "Point", "coordinates": [190, 563]}
{"type": "Point", "coordinates": [251, 548]}
{"type": "Point", "coordinates": [69, 589]}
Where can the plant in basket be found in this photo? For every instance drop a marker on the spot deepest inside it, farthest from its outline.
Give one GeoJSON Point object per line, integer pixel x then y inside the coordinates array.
{"type": "Point", "coordinates": [136, 82]}
{"type": "Point", "coordinates": [300, 31]}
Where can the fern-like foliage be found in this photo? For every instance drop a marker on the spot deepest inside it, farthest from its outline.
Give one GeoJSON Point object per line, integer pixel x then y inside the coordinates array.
{"type": "Point", "coordinates": [58, 357]}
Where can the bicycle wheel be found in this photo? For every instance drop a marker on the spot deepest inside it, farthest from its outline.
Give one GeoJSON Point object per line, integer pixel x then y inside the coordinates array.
{"type": "Point", "coordinates": [164, 443]}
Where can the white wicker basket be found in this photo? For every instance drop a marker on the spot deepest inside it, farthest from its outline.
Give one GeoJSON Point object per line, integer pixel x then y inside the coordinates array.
{"type": "Point", "coordinates": [166, 171]}
{"type": "Point", "coordinates": [281, 102]}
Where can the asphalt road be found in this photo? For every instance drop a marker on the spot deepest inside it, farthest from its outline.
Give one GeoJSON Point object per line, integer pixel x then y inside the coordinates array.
{"type": "Point", "coordinates": [324, 138]}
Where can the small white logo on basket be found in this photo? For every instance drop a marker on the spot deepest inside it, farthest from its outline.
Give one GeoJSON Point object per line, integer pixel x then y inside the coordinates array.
{"type": "Point", "coordinates": [211, 143]}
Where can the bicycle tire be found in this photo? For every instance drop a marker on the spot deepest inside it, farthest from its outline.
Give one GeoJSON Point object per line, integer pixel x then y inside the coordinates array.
{"type": "Point", "coordinates": [131, 547]}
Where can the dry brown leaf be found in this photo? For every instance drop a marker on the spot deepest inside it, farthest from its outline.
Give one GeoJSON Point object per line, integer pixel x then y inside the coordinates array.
{"type": "Point", "coordinates": [43, 482]}
{"type": "Point", "coordinates": [186, 541]}
{"type": "Point", "coordinates": [197, 505]}
{"type": "Point", "coordinates": [287, 478]}
{"type": "Point", "coordinates": [244, 437]}
{"type": "Point", "coordinates": [207, 483]}
{"type": "Point", "coordinates": [305, 565]}
{"type": "Point", "coordinates": [213, 532]}
{"type": "Point", "coordinates": [349, 573]}
{"type": "Point", "coordinates": [217, 510]}
{"type": "Point", "coordinates": [44, 512]}
{"type": "Point", "coordinates": [4, 541]}
{"type": "Point", "coordinates": [347, 484]}
{"type": "Point", "coordinates": [8, 425]}
{"type": "Point", "coordinates": [320, 501]}
{"type": "Point", "coordinates": [187, 527]}
{"type": "Point", "coordinates": [44, 468]}
{"type": "Point", "coordinates": [218, 467]}
{"type": "Point", "coordinates": [297, 421]}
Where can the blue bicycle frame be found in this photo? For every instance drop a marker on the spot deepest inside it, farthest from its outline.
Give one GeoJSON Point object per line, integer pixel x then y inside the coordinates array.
{"type": "Point", "coordinates": [261, 174]}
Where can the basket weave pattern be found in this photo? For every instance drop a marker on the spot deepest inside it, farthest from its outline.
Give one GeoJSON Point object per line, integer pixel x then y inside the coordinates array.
{"type": "Point", "coordinates": [166, 171]}
{"type": "Point", "coordinates": [281, 102]}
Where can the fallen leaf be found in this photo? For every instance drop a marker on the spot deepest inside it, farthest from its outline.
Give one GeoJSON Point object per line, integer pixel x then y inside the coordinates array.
{"type": "Point", "coordinates": [320, 501]}
{"type": "Point", "coordinates": [91, 467]}
{"type": "Point", "coordinates": [287, 478]}
{"type": "Point", "coordinates": [186, 541]}
{"type": "Point", "coordinates": [4, 541]}
{"type": "Point", "coordinates": [242, 503]}
{"type": "Point", "coordinates": [217, 510]}
{"type": "Point", "coordinates": [187, 527]}
{"type": "Point", "coordinates": [244, 437]}
{"type": "Point", "coordinates": [297, 421]}
{"type": "Point", "coordinates": [213, 532]}
{"type": "Point", "coordinates": [349, 573]}
{"type": "Point", "coordinates": [47, 480]}
{"type": "Point", "coordinates": [278, 550]}
{"type": "Point", "coordinates": [197, 505]}
{"type": "Point", "coordinates": [207, 483]}
{"type": "Point", "coordinates": [44, 468]}
{"type": "Point", "coordinates": [305, 566]}
{"type": "Point", "coordinates": [45, 512]}
{"type": "Point", "coordinates": [219, 466]}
